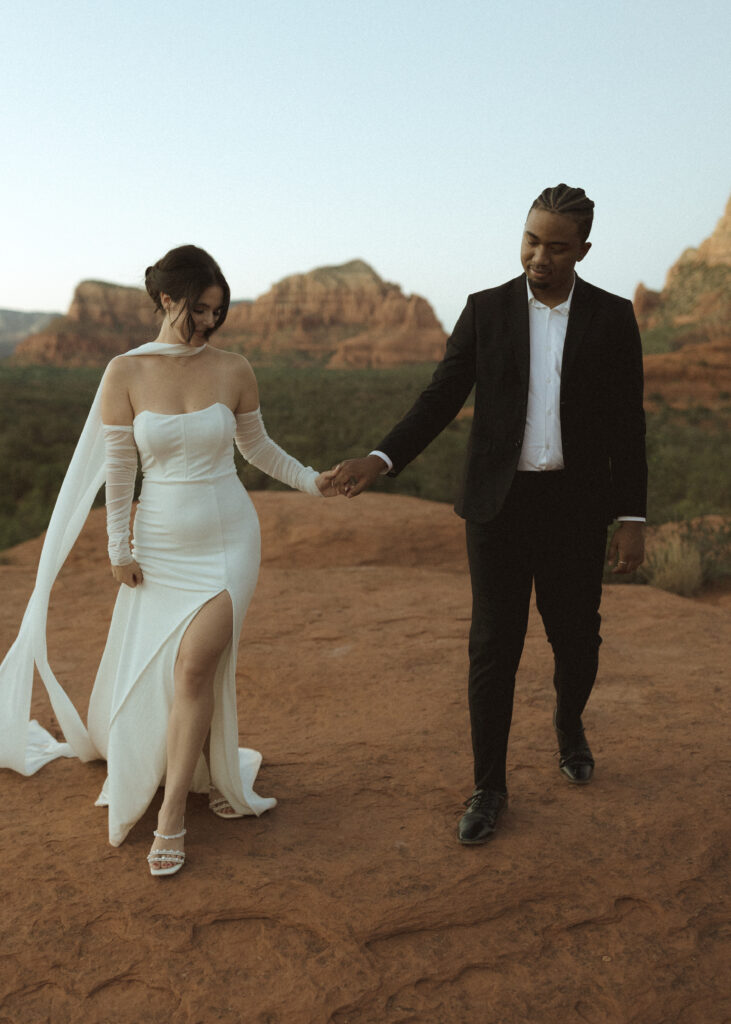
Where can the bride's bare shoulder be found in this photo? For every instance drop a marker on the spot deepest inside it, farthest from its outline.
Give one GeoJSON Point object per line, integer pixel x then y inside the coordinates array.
{"type": "Point", "coordinates": [240, 380]}
{"type": "Point", "coordinates": [120, 371]}
{"type": "Point", "coordinates": [234, 363]}
{"type": "Point", "coordinates": [118, 377]}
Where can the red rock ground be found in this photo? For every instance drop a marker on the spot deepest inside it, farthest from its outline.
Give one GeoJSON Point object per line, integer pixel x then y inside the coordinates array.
{"type": "Point", "coordinates": [351, 902]}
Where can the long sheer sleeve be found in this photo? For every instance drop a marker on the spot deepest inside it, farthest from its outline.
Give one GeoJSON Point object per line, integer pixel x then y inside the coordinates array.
{"type": "Point", "coordinates": [120, 458]}
{"type": "Point", "coordinates": [258, 448]}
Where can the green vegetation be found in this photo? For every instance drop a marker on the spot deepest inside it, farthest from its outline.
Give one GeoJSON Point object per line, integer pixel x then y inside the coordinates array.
{"type": "Point", "coordinates": [688, 559]}
{"type": "Point", "coordinates": [658, 340]}
{"type": "Point", "coordinates": [323, 416]}
{"type": "Point", "coordinates": [689, 454]}
{"type": "Point", "coordinates": [42, 411]}
{"type": "Point", "coordinates": [674, 565]}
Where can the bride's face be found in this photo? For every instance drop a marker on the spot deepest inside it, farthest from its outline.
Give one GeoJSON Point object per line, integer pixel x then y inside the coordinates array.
{"type": "Point", "coordinates": [205, 314]}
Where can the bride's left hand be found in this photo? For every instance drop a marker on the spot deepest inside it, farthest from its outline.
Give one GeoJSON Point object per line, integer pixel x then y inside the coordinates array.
{"type": "Point", "coordinates": [324, 483]}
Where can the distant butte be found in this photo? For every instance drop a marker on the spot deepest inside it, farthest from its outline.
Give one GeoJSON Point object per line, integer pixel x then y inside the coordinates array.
{"type": "Point", "coordinates": [345, 315]}
{"type": "Point", "coordinates": [690, 319]}
{"type": "Point", "coordinates": [339, 316]}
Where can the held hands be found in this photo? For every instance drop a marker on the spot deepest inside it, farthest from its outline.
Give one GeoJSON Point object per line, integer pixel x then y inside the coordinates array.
{"type": "Point", "coordinates": [130, 574]}
{"type": "Point", "coordinates": [627, 547]}
{"type": "Point", "coordinates": [325, 484]}
{"type": "Point", "coordinates": [354, 475]}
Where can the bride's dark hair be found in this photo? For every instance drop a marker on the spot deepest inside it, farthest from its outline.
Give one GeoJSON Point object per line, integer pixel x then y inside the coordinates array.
{"type": "Point", "coordinates": [185, 273]}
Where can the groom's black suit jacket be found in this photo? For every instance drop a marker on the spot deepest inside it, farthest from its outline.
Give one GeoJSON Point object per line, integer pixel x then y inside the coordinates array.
{"type": "Point", "coordinates": [602, 420]}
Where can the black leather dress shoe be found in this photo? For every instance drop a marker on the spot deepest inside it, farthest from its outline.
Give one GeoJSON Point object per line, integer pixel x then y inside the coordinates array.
{"type": "Point", "coordinates": [575, 758]}
{"type": "Point", "coordinates": [479, 821]}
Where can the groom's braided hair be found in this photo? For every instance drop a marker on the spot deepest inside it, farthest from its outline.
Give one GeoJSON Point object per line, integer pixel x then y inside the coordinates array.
{"type": "Point", "coordinates": [573, 202]}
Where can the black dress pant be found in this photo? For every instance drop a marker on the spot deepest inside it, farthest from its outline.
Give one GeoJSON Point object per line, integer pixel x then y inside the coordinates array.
{"type": "Point", "coordinates": [546, 534]}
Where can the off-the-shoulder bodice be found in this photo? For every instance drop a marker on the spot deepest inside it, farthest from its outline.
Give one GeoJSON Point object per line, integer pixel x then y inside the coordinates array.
{"type": "Point", "coordinates": [189, 446]}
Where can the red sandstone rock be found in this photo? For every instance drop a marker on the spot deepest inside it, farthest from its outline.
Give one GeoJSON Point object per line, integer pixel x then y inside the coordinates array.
{"type": "Point", "coordinates": [695, 306]}
{"type": "Point", "coordinates": [645, 303]}
{"type": "Point", "coordinates": [345, 315]}
{"type": "Point", "coordinates": [351, 902]}
{"type": "Point", "coordinates": [103, 321]}
{"type": "Point", "coordinates": [697, 374]}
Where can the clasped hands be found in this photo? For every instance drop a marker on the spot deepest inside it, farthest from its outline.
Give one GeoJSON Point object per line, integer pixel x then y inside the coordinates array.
{"type": "Point", "coordinates": [351, 477]}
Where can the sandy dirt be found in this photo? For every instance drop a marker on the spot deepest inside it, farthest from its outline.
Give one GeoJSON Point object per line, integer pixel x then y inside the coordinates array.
{"type": "Point", "coordinates": [352, 902]}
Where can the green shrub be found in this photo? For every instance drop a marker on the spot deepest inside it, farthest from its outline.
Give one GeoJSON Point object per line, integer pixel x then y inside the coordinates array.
{"type": "Point", "coordinates": [674, 564]}
{"type": "Point", "coordinates": [690, 557]}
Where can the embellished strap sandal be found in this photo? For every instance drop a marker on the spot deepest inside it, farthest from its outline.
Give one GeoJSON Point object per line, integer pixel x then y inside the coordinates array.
{"type": "Point", "coordinates": [221, 806]}
{"type": "Point", "coordinates": [174, 858]}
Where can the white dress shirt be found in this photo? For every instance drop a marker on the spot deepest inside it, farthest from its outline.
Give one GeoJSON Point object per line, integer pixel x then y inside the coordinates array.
{"type": "Point", "coordinates": [542, 438]}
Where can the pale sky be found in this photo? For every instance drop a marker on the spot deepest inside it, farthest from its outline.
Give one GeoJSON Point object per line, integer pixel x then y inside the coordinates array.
{"type": "Point", "coordinates": [282, 135]}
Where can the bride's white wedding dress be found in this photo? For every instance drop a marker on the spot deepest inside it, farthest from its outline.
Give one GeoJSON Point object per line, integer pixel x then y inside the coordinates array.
{"type": "Point", "coordinates": [196, 534]}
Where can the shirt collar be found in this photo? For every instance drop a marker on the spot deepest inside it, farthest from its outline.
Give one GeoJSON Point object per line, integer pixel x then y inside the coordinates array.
{"type": "Point", "coordinates": [562, 308]}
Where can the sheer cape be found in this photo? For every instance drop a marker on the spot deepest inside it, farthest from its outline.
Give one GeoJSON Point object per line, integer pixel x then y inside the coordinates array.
{"type": "Point", "coordinates": [25, 746]}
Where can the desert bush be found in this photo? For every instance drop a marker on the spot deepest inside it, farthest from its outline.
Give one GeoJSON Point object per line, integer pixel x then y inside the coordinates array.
{"type": "Point", "coordinates": [674, 564]}
{"type": "Point", "coordinates": [686, 557]}
{"type": "Point", "coordinates": [712, 540]}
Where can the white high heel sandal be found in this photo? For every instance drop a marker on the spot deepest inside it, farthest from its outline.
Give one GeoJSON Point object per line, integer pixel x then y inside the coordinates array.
{"type": "Point", "coordinates": [161, 856]}
{"type": "Point", "coordinates": [219, 804]}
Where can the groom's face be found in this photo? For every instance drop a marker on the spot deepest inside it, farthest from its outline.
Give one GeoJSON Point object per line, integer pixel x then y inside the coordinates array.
{"type": "Point", "coordinates": [550, 250]}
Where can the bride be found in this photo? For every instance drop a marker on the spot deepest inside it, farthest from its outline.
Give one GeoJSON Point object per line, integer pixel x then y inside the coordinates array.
{"type": "Point", "coordinates": [163, 707]}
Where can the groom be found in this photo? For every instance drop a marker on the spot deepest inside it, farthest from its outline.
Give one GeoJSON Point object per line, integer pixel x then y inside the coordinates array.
{"type": "Point", "coordinates": [556, 451]}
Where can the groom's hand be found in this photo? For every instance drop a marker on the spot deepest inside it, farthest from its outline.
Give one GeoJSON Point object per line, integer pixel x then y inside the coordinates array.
{"type": "Point", "coordinates": [354, 475]}
{"type": "Point", "coordinates": [627, 547]}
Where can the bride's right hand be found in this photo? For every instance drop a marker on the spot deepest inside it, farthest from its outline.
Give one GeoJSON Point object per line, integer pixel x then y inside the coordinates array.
{"type": "Point", "coordinates": [130, 574]}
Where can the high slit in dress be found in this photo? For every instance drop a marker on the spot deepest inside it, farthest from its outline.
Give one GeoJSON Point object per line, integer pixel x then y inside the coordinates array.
{"type": "Point", "coordinates": [196, 534]}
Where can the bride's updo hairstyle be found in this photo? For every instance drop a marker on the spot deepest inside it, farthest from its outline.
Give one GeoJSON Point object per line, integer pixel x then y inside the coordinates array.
{"type": "Point", "coordinates": [184, 274]}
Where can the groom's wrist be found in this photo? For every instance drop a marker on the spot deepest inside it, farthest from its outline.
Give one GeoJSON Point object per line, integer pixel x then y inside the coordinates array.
{"type": "Point", "coordinates": [388, 465]}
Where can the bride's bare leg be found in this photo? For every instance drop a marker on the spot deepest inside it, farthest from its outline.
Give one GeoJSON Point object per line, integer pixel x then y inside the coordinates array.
{"type": "Point", "coordinates": [204, 641]}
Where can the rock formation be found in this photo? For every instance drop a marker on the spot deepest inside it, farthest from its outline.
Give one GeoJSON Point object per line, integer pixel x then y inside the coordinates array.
{"type": "Point", "coordinates": [103, 320]}
{"type": "Point", "coordinates": [690, 319]}
{"type": "Point", "coordinates": [346, 316]}
{"type": "Point", "coordinates": [343, 316]}
{"type": "Point", "coordinates": [695, 301]}
{"type": "Point", "coordinates": [15, 325]}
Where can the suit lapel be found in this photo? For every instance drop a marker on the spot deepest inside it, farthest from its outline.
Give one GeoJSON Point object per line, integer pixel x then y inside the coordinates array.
{"type": "Point", "coordinates": [580, 314]}
{"type": "Point", "coordinates": [517, 328]}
